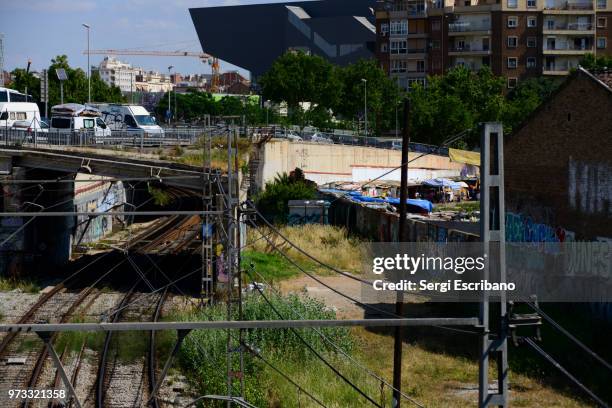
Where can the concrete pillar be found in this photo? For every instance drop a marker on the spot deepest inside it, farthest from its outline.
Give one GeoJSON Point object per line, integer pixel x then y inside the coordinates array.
{"type": "Point", "coordinates": [12, 229]}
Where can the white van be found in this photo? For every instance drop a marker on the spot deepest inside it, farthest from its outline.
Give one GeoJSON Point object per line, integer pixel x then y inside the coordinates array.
{"type": "Point", "coordinates": [74, 117]}
{"type": "Point", "coordinates": [131, 118]}
{"type": "Point", "coordinates": [16, 106]}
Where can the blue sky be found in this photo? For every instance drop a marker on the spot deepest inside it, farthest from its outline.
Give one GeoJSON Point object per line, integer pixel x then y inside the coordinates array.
{"type": "Point", "coordinates": [42, 29]}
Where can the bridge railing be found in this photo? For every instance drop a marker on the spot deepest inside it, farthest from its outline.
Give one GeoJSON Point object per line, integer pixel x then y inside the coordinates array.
{"type": "Point", "coordinates": [170, 137]}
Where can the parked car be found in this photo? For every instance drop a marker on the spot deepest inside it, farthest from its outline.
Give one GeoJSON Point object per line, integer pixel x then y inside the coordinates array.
{"type": "Point", "coordinates": [31, 126]}
{"type": "Point", "coordinates": [320, 138]}
{"type": "Point", "coordinates": [292, 136]}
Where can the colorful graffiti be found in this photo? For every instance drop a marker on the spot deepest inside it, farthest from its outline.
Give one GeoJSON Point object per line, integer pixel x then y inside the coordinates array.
{"type": "Point", "coordinates": [523, 228]}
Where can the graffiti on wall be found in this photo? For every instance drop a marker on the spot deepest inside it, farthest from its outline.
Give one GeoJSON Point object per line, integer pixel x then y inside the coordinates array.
{"type": "Point", "coordinates": [590, 188]}
{"type": "Point", "coordinates": [523, 228]}
{"type": "Point", "coordinates": [103, 198]}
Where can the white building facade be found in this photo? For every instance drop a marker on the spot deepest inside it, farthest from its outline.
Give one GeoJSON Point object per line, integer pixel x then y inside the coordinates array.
{"type": "Point", "coordinates": [131, 79]}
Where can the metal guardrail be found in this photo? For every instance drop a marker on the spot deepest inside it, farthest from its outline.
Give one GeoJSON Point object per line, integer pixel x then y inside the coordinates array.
{"type": "Point", "coordinates": [171, 137]}
{"type": "Point", "coordinates": [190, 136]}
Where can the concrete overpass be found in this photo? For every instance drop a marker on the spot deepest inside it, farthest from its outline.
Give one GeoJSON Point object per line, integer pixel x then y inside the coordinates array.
{"type": "Point", "coordinates": [32, 180]}
{"type": "Point", "coordinates": [107, 165]}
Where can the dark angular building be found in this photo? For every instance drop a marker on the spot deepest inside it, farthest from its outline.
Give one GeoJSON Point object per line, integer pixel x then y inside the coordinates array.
{"type": "Point", "coordinates": [253, 36]}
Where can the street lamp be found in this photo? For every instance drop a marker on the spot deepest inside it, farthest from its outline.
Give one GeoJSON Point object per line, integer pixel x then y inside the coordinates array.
{"type": "Point", "coordinates": [87, 26]}
{"type": "Point", "coordinates": [365, 103]}
{"type": "Point", "coordinates": [169, 95]}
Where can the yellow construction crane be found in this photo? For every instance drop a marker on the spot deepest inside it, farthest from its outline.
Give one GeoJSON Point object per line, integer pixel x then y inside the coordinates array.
{"type": "Point", "coordinates": [205, 58]}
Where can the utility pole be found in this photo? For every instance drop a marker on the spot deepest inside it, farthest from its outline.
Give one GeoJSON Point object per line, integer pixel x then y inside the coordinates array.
{"type": "Point", "coordinates": [401, 236]}
{"type": "Point", "coordinates": [365, 105]}
{"type": "Point", "coordinates": [169, 95]}
{"type": "Point", "coordinates": [44, 90]}
{"type": "Point", "coordinates": [87, 26]}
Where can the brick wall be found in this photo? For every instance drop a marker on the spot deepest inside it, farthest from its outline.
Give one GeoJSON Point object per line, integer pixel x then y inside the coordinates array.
{"type": "Point", "coordinates": [559, 165]}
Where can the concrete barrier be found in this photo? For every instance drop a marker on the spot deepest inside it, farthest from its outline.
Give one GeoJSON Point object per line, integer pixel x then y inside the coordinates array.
{"type": "Point", "coordinates": [324, 163]}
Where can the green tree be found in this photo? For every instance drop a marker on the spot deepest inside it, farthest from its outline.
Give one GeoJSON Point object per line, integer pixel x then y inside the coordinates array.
{"type": "Point", "coordinates": [525, 98]}
{"type": "Point", "coordinates": [454, 103]}
{"type": "Point", "coordinates": [383, 94]}
{"type": "Point", "coordinates": [592, 63]}
{"type": "Point", "coordinates": [296, 77]}
{"type": "Point", "coordinates": [26, 82]}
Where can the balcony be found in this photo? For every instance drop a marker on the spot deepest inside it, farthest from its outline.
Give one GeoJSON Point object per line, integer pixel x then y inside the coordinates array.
{"type": "Point", "coordinates": [568, 7]}
{"type": "Point", "coordinates": [472, 66]}
{"type": "Point", "coordinates": [562, 68]}
{"type": "Point", "coordinates": [462, 28]}
{"type": "Point", "coordinates": [566, 48]}
{"type": "Point", "coordinates": [568, 28]}
{"type": "Point", "coordinates": [469, 49]}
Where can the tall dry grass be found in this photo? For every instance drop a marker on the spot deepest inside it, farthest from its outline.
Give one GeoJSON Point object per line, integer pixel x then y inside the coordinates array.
{"type": "Point", "coordinates": [327, 243]}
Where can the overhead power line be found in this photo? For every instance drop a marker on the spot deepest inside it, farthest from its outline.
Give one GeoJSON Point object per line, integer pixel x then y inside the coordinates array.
{"type": "Point", "coordinates": [340, 350]}
{"type": "Point", "coordinates": [317, 354]}
{"type": "Point", "coordinates": [559, 367]}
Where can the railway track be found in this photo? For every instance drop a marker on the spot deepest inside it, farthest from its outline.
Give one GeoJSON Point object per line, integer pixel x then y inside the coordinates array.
{"type": "Point", "coordinates": [169, 235]}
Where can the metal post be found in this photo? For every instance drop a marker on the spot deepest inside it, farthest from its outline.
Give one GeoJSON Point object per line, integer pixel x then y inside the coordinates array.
{"type": "Point", "coordinates": [399, 303]}
{"type": "Point", "coordinates": [492, 233]}
{"type": "Point", "coordinates": [181, 334]}
{"type": "Point", "coordinates": [87, 26]}
{"type": "Point", "coordinates": [62, 92]}
{"type": "Point", "coordinates": [365, 105]}
{"type": "Point", "coordinates": [46, 338]}
{"type": "Point", "coordinates": [169, 96]}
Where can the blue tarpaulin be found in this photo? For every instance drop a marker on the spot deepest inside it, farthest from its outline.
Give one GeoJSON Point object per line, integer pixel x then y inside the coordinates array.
{"type": "Point", "coordinates": [366, 199]}
{"type": "Point", "coordinates": [442, 182]}
{"type": "Point", "coordinates": [413, 204]}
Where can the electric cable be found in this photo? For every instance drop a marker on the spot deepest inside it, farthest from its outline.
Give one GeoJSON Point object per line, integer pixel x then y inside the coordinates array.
{"type": "Point", "coordinates": [559, 367]}
{"type": "Point", "coordinates": [339, 349]}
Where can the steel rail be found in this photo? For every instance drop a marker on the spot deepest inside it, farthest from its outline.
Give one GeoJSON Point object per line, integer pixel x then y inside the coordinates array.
{"type": "Point", "coordinates": [242, 324]}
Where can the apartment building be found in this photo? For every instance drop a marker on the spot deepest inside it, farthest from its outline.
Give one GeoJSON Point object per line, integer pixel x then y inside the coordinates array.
{"type": "Point", "coordinates": [130, 79]}
{"type": "Point", "coordinates": [516, 38]}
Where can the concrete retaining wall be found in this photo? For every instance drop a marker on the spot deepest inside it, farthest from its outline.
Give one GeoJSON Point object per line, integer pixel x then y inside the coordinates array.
{"type": "Point", "coordinates": [324, 163]}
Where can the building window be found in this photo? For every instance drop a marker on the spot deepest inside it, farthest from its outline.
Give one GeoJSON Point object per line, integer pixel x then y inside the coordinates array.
{"type": "Point", "coordinates": [602, 22]}
{"type": "Point", "coordinates": [420, 66]}
{"type": "Point", "coordinates": [531, 4]}
{"type": "Point", "coordinates": [399, 27]}
{"type": "Point", "coordinates": [512, 62]}
{"type": "Point", "coordinates": [398, 66]}
{"type": "Point", "coordinates": [512, 3]}
{"type": "Point", "coordinates": [486, 61]}
{"type": "Point", "coordinates": [384, 48]}
{"type": "Point", "coordinates": [435, 25]}
{"type": "Point", "coordinates": [602, 4]}
{"type": "Point", "coordinates": [398, 47]}
{"type": "Point", "coordinates": [384, 28]}
{"type": "Point", "coordinates": [435, 44]}
{"type": "Point", "coordinates": [531, 42]}
{"type": "Point", "coordinates": [601, 42]}
{"type": "Point", "coordinates": [532, 21]}
{"type": "Point", "coordinates": [512, 41]}
{"type": "Point", "coordinates": [512, 83]}
{"type": "Point", "coordinates": [531, 62]}
{"type": "Point", "coordinates": [512, 22]}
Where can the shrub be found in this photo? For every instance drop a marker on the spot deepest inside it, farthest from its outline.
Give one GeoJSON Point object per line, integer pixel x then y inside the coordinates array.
{"type": "Point", "coordinates": [203, 353]}
{"type": "Point", "coordinates": [273, 202]}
